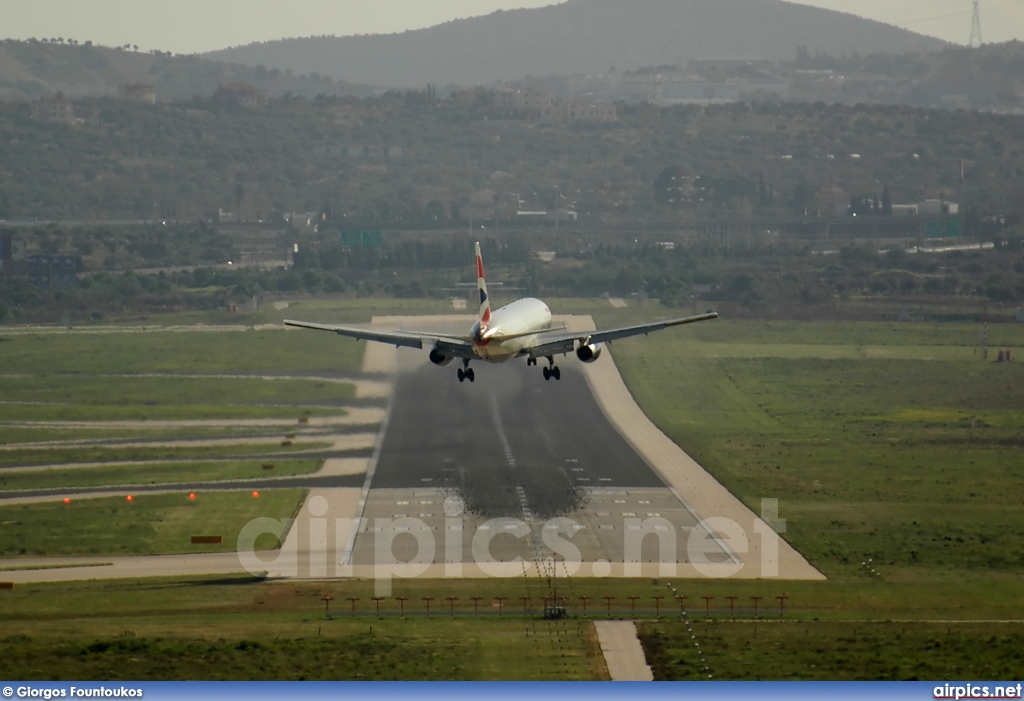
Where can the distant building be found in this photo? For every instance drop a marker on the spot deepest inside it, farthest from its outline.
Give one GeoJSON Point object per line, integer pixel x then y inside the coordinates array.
{"type": "Point", "coordinates": [935, 206]}
{"type": "Point", "coordinates": [578, 108]}
{"type": "Point", "coordinates": [139, 92]}
{"type": "Point", "coordinates": [907, 210]}
{"type": "Point", "coordinates": [13, 256]}
{"type": "Point", "coordinates": [699, 92]}
{"type": "Point", "coordinates": [54, 271]}
{"type": "Point", "coordinates": [55, 111]}
{"type": "Point", "coordinates": [241, 94]}
{"type": "Point", "coordinates": [528, 102]}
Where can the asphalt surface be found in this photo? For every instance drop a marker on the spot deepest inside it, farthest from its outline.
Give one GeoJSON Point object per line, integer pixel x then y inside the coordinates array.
{"type": "Point", "coordinates": [506, 439]}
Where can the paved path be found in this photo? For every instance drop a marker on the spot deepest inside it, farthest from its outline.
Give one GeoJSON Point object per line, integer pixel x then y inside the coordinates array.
{"type": "Point", "coordinates": [622, 651]}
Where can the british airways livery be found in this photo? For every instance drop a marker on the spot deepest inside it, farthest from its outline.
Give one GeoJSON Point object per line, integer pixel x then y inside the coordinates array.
{"type": "Point", "coordinates": [520, 329]}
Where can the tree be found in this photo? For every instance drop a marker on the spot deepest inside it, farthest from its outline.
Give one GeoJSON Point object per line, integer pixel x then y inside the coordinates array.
{"type": "Point", "coordinates": [886, 201]}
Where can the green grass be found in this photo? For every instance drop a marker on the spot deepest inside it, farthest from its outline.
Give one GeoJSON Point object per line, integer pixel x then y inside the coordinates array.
{"type": "Point", "coordinates": [57, 397]}
{"type": "Point", "coordinates": [97, 454]}
{"type": "Point", "coordinates": [151, 524]}
{"type": "Point", "coordinates": [314, 650]}
{"type": "Point", "coordinates": [235, 627]}
{"type": "Point", "coordinates": [355, 656]}
{"type": "Point", "coordinates": [101, 390]}
{"type": "Point", "coordinates": [868, 444]}
{"type": "Point", "coordinates": [167, 351]}
{"type": "Point", "coordinates": [745, 650]}
{"type": "Point", "coordinates": [838, 626]}
{"type": "Point", "coordinates": [74, 412]}
{"type": "Point", "coordinates": [164, 473]}
{"type": "Point", "coordinates": [15, 433]}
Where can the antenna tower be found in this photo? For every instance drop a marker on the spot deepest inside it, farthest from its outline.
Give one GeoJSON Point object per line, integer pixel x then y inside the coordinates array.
{"type": "Point", "coordinates": [975, 41]}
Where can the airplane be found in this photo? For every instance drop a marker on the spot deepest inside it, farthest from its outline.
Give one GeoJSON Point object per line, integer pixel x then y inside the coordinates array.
{"type": "Point", "coordinates": [521, 328]}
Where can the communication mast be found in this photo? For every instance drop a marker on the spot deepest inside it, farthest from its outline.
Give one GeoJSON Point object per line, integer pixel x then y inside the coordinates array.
{"type": "Point", "coordinates": [975, 41]}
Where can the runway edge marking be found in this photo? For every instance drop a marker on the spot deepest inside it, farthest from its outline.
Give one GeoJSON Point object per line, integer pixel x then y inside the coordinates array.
{"type": "Point", "coordinates": [346, 556]}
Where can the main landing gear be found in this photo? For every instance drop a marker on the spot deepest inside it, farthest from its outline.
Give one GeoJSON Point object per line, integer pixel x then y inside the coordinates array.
{"type": "Point", "coordinates": [466, 372]}
{"type": "Point", "coordinates": [551, 371]}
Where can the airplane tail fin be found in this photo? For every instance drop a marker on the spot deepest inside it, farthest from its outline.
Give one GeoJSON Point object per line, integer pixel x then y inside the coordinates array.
{"type": "Point", "coordinates": [481, 286]}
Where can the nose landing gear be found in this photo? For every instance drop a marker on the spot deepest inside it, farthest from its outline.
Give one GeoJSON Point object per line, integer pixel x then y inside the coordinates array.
{"type": "Point", "coordinates": [466, 372]}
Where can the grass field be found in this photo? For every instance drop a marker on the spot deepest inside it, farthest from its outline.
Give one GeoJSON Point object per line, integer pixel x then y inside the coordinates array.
{"type": "Point", "coordinates": [242, 628]}
{"type": "Point", "coordinates": [150, 524]}
{"type": "Point", "coordinates": [100, 390]}
{"type": "Point", "coordinates": [900, 453]}
{"type": "Point", "coordinates": [304, 649]}
{"type": "Point", "coordinates": [113, 385]}
{"type": "Point", "coordinates": [121, 350]}
{"type": "Point", "coordinates": [95, 454]}
{"type": "Point", "coordinates": [147, 474]}
{"type": "Point", "coordinates": [741, 650]}
{"type": "Point", "coordinates": [20, 433]}
{"type": "Point", "coordinates": [188, 621]}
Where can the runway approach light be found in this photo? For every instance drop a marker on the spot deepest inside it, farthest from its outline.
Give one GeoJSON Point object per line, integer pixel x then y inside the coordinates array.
{"type": "Point", "coordinates": [192, 496]}
{"type": "Point", "coordinates": [255, 494]}
{"type": "Point", "coordinates": [67, 500]}
{"type": "Point", "coordinates": [130, 498]}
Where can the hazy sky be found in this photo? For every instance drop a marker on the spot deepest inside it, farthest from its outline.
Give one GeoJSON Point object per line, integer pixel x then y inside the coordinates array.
{"type": "Point", "coordinates": [191, 26]}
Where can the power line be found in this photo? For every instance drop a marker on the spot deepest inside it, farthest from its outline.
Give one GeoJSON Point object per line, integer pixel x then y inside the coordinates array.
{"type": "Point", "coordinates": [930, 19]}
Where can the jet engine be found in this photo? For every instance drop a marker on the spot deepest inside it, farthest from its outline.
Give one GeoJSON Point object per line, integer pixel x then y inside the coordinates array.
{"type": "Point", "coordinates": [437, 357]}
{"type": "Point", "coordinates": [588, 352]}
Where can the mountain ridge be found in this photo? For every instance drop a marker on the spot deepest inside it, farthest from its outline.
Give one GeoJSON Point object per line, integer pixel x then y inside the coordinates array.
{"type": "Point", "coordinates": [581, 36]}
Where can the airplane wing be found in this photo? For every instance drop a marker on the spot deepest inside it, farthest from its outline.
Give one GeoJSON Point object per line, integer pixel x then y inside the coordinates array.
{"type": "Point", "coordinates": [455, 346]}
{"type": "Point", "coordinates": [556, 344]}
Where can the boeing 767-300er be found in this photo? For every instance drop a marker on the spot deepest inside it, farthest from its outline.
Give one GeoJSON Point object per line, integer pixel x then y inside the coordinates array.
{"type": "Point", "coordinates": [519, 329]}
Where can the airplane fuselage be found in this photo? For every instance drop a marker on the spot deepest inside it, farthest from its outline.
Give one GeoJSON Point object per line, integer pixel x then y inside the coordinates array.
{"type": "Point", "coordinates": [518, 319]}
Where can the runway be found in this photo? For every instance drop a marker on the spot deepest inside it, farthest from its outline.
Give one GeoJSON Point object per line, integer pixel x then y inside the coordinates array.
{"type": "Point", "coordinates": [507, 431]}
{"type": "Point", "coordinates": [510, 469]}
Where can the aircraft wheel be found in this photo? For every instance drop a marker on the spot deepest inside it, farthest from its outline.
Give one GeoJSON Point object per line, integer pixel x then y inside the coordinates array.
{"type": "Point", "coordinates": [547, 373]}
{"type": "Point", "coordinates": [470, 375]}
{"type": "Point", "coordinates": [461, 374]}
{"type": "Point", "coordinates": [556, 373]}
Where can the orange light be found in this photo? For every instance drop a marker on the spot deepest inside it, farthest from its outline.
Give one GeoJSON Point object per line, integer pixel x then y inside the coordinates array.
{"type": "Point", "coordinates": [67, 500]}
{"type": "Point", "coordinates": [192, 496]}
{"type": "Point", "coordinates": [255, 494]}
{"type": "Point", "coordinates": [130, 497]}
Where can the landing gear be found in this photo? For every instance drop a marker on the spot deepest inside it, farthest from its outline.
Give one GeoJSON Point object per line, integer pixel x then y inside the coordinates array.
{"type": "Point", "coordinates": [551, 371]}
{"type": "Point", "coordinates": [531, 361]}
{"type": "Point", "coordinates": [466, 372]}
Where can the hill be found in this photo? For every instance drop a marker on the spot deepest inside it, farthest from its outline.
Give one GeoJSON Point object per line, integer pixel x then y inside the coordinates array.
{"type": "Point", "coordinates": [582, 36]}
{"type": "Point", "coordinates": [398, 161]}
{"type": "Point", "coordinates": [34, 69]}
